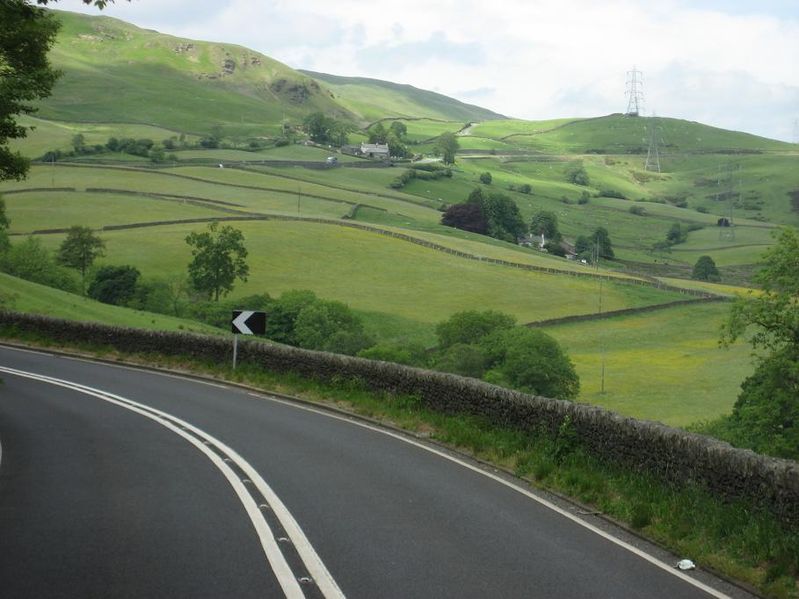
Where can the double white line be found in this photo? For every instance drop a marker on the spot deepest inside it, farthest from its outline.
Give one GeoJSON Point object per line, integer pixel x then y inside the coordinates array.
{"type": "Point", "coordinates": [225, 458]}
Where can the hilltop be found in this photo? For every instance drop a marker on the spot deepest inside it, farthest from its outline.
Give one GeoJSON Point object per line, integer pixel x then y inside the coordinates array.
{"type": "Point", "coordinates": [117, 72]}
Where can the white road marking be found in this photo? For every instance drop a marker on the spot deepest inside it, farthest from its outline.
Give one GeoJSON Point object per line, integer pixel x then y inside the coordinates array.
{"type": "Point", "coordinates": [288, 581]}
{"type": "Point", "coordinates": [548, 504]}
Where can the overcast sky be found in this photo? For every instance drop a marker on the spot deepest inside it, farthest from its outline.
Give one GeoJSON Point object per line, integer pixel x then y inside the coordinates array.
{"type": "Point", "coordinates": [728, 63]}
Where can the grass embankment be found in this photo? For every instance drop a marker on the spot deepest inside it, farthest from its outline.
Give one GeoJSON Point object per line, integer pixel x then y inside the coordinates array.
{"type": "Point", "coordinates": [734, 539]}
{"type": "Point", "coordinates": [24, 296]}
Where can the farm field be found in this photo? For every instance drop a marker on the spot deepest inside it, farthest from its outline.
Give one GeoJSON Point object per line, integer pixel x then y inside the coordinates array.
{"type": "Point", "coordinates": [375, 273]}
{"type": "Point", "coordinates": [665, 365]}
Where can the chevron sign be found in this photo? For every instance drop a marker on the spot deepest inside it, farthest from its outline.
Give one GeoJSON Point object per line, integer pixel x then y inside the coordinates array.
{"type": "Point", "coordinates": [248, 322]}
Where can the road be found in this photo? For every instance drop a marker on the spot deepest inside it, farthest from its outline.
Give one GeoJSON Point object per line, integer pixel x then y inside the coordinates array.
{"type": "Point", "coordinates": [142, 484]}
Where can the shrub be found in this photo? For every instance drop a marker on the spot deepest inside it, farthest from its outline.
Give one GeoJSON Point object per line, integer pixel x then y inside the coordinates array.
{"type": "Point", "coordinates": [30, 260]}
{"type": "Point", "coordinates": [638, 210]}
{"type": "Point", "coordinates": [463, 359]}
{"type": "Point", "coordinates": [114, 284]}
{"type": "Point", "coordinates": [486, 178]}
{"type": "Point", "coordinates": [471, 326]}
{"type": "Point", "coordinates": [577, 174]}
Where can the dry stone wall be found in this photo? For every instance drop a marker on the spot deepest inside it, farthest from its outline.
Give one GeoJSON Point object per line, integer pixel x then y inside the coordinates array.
{"type": "Point", "coordinates": [672, 454]}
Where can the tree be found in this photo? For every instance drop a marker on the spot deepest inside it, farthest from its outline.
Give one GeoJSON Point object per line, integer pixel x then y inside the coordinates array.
{"type": "Point", "coordinates": [505, 222]}
{"type": "Point", "coordinates": [577, 174]}
{"type": "Point", "coordinates": [462, 359]}
{"type": "Point", "coordinates": [26, 35]}
{"type": "Point", "coordinates": [31, 261]}
{"type": "Point", "coordinates": [584, 248]}
{"type": "Point", "coordinates": [218, 259]}
{"type": "Point", "coordinates": [471, 326]}
{"type": "Point", "coordinates": [601, 241]}
{"type": "Point", "coordinates": [79, 250]}
{"type": "Point", "coordinates": [467, 217]}
{"type": "Point", "coordinates": [447, 145]}
{"type": "Point", "coordinates": [78, 143]}
{"type": "Point", "coordinates": [766, 412]}
{"type": "Point", "coordinates": [545, 223]}
{"type": "Point", "coordinates": [531, 361]}
{"type": "Point", "coordinates": [378, 134]}
{"type": "Point", "coordinates": [486, 178]}
{"type": "Point", "coordinates": [114, 284]}
{"type": "Point", "coordinates": [399, 129]}
{"type": "Point", "coordinates": [705, 270]}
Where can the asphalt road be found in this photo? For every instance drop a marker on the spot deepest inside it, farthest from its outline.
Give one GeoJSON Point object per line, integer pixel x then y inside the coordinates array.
{"type": "Point", "coordinates": [182, 494]}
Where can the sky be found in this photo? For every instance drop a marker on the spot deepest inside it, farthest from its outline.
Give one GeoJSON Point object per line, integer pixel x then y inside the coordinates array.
{"type": "Point", "coordinates": [728, 63]}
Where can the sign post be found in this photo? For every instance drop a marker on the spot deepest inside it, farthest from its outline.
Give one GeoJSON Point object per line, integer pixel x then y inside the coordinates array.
{"type": "Point", "coordinates": [246, 322]}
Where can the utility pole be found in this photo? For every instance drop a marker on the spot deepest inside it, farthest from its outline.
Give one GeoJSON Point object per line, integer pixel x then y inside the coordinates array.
{"type": "Point", "coordinates": [635, 92]}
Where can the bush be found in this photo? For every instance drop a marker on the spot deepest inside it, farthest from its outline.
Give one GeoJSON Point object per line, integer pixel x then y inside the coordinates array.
{"type": "Point", "coordinates": [114, 284]}
{"type": "Point", "coordinates": [471, 326]}
{"type": "Point", "coordinates": [463, 359]}
{"type": "Point", "coordinates": [584, 197]}
{"type": "Point", "coordinates": [577, 174]}
{"type": "Point", "coordinates": [531, 361]}
{"type": "Point", "coordinates": [525, 188]}
{"type": "Point", "coordinates": [638, 210]}
{"type": "Point", "coordinates": [409, 355]}
{"type": "Point", "coordinates": [486, 178]}
{"type": "Point", "coordinates": [29, 260]}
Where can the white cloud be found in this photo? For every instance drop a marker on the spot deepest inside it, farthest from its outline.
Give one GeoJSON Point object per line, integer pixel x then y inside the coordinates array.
{"type": "Point", "coordinates": [731, 64]}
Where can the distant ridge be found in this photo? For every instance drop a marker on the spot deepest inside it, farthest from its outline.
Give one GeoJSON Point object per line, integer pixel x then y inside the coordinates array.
{"type": "Point", "coordinates": [368, 98]}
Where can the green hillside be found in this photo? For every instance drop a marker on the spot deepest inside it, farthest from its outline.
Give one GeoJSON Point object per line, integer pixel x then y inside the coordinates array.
{"type": "Point", "coordinates": [373, 99]}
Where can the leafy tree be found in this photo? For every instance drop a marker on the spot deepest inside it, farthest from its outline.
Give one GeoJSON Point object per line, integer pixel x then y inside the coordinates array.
{"type": "Point", "coordinates": [467, 217]}
{"type": "Point", "coordinates": [545, 223]}
{"type": "Point", "coordinates": [486, 178]}
{"type": "Point", "coordinates": [676, 234]}
{"type": "Point", "coordinates": [505, 222]}
{"type": "Point", "coordinates": [601, 241]}
{"type": "Point", "coordinates": [766, 413]}
{"type": "Point", "coordinates": [447, 145]}
{"type": "Point", "coordinates": [31, 261]}
{"type": "Point", "coordinates": [396, 147]}
{"type": "Point", "coordinates": [531, 361]}
{"type": "Point", "coordinates": [584, 248]}
{"type": "Point", "coordinates": [577, 174]}
{"type": "Point", "coordinates": [218, 259]}
{"type": "Point", "coordinates": [399, 129]}
{"type": "Point", "coordinates": [525, 188]}
{"type": "Point", "coordinates": [79, 250]}
{"type": "Point", "coordinates": [378, 134]}
{"type": "Point", "coordinates": [78, 143]}
{"type": "Point", "coordinates": [324, 129]}
{"type": "Point", "coordinates": [114, 284]}
{"type": "Point", "coordinates": [471, 326]}
{"type": "Point", "coordinates": [26, 35]}
{"type": "Point", "coordinates": [705, 270]}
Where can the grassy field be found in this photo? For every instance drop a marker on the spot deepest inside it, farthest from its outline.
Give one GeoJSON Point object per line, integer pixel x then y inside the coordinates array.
{"type": "Point", "coordinates": [663, 365]}
{"type": "Point", "coordinates": [376, 273]}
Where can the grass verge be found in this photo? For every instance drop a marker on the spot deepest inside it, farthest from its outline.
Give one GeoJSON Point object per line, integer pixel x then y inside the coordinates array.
{"type": "Point", "coordinates": [733, 539]}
